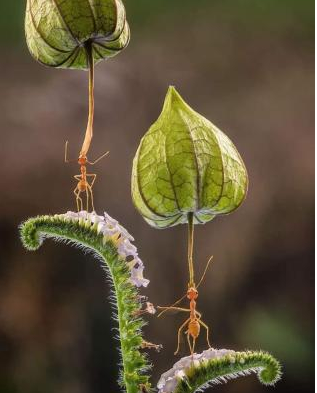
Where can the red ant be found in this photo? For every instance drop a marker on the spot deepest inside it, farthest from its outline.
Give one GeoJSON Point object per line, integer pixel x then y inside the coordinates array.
{"type": "Point", "coordinates": [194, 321]}
{"type": "Point", "coordinates": [83, 184]}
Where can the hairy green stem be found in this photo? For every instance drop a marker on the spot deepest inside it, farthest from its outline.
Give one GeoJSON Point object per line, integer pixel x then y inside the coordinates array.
{"type": "Point", "coordinates": [228, 367]}
{"type": "Point", "coordinates": [134, 363]}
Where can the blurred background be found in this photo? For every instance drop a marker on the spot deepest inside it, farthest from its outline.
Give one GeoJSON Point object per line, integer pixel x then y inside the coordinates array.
{"type": "Point", "coordinates": [248, 66]}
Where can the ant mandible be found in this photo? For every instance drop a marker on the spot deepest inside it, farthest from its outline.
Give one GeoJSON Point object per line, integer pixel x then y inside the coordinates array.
{"type": "Point", "coordinates": [194, 322]}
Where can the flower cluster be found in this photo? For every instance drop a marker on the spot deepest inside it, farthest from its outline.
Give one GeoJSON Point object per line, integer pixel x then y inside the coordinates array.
{"type": "Point", "coordinates": [170, 378]}
{"type": "Point", "coordinates": [112, 230]}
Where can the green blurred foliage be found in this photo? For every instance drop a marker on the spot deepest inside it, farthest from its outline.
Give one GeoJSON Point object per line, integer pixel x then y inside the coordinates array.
{"type": "Point", "coordinates": [272, 14]}
{"type": "Point", "coordinates": [286, 338]}
{"type": "Point", "coordinates": [249, 12]}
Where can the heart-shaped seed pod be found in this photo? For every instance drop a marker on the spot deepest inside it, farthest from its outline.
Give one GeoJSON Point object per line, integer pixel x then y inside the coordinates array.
{"type": "Point", "coordinates": [185, 164]}
{"type": "Point", "coordinates": [57, 31]}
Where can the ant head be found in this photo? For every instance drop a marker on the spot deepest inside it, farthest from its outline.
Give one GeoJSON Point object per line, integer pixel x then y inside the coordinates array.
{"type": "Point", "coordinates": [192, 293]}
{"type": "Point", "coordinates": [82, 160]}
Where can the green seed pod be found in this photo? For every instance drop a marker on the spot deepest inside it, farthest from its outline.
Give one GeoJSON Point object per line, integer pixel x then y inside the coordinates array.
{"type": "Point", "coordinates": [185, 164]}
{"type": "Point", "coordinates": [57, 31]}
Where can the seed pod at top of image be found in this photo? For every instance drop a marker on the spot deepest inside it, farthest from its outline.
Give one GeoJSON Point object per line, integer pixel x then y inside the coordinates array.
{"type": "Point", "coordinates": [57, 31]}
{"type": "Point", "coordinates": [185, 164]}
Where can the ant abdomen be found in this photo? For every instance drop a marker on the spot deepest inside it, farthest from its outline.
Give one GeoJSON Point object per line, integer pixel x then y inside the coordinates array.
{"type": "Point", "coordinates": [194, 328]}
{"type": "Point", "coordinates": [82, 186]}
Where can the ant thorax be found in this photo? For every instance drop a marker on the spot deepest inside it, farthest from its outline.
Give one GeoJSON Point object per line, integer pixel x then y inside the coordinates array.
{"type": "Point", "coordinates": [83, 170]}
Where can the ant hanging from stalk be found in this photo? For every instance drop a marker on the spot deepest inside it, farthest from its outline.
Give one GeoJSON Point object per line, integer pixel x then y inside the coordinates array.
{"type": "Point", "coordinates": [83, 184]}
{"type": "Point", "coordinates": [194, 321]}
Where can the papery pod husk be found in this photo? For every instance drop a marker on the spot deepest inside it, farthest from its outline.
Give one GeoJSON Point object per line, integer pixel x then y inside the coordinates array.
{"type": "Point", "coordinates": [57, 31]}
{"type": "Point", "coordinates": [185, 164]}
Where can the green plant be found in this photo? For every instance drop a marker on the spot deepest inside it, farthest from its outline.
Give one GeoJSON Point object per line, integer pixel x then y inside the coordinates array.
{"type": "Point", "coordinates": [111, 244]}
{"type": "Point", "coordinates": [185, 171]}
{"type": "Point", "coordinates": [185, 164]}
{"type": "Point", "coordinates": [213, 367]}
{"type": "Point", "coordinates": [59, 32]}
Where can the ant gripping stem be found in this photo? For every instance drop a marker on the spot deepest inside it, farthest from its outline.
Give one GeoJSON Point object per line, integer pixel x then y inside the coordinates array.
{"type": "Point", "coordinates": [183, 297]}
{"type": "Point", "coordinates": [85, 181]}
{"type": "Point", "coordinates": [190, 261]}
{"type": "Point", "coordinates": [194, 321]}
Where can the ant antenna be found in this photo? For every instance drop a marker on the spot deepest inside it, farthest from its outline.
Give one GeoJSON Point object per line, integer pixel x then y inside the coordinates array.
{"type": "Point", "coordinates": [66, 154]}
{"type": "Point", "coordinates": [205, 271]}
{"type": "Point", "coordinates": [66, 151]}
{"type": "Point", "coordinates": [98, 159]}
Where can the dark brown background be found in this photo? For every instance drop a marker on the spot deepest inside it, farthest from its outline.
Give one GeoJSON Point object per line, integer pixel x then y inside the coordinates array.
{"type": "Point", "coordinates": [248, 67]}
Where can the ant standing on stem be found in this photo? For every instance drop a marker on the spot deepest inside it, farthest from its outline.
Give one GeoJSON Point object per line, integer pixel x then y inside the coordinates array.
{"type": "Point", "coordinates": [194, 321]}
{"type": "Point", "coordinates": [83, 184]}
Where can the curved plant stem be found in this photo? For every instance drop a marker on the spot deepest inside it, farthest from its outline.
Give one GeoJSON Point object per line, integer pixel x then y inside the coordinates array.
{"type": "Point", "coordinates": [228, 367]}
{"type": "Point", "coordinates": [86, 235]}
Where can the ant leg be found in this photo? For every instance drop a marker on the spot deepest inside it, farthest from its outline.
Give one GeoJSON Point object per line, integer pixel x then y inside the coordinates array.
{"type": "Point", "coordinates": [94, 178]}
{"type": "Point", "coordinates": [194, 342]}
{"type": "Point", "coordinates": [174, 304]}
{"type": "Point", "coordinates": [207, 331]}
{"type": "Point", "coordinates": [77, 177]}
{"type": "Point", "coordinates": [179, 335]}
{"type": "Point", "coordinates": [81, 202]}
{"type": "Point", "coordinates": [90, 188]}
{"type": "Point", "coordinates": [189, 344]}
{"type": "Point", "coordinates": [78, 198]}
{"type": "Point", "coordinates": [76, 194]}
{"type": "Point", "coordinates": [171, 308]}
{"type": "Point", "coordinates": [87, 199]}
{"type": "Point", "coordinates": [91, 198]}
